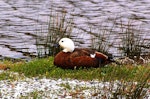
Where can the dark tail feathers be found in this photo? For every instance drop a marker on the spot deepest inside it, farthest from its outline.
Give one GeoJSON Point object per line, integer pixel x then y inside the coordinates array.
{"type": "Point", "coordinates": [111, 59]}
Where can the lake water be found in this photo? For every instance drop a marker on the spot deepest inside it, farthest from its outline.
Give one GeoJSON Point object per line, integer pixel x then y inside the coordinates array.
{"type": "Point", "coordinates": [20, 21]}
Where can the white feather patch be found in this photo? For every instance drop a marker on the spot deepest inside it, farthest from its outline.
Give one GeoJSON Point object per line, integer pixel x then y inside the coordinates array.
{"type": "Point", "coordinates": [92, 55]}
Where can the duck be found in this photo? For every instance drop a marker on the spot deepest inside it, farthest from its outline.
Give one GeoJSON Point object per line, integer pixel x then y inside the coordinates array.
{"type": "Point", "coordinates": [71, 57]}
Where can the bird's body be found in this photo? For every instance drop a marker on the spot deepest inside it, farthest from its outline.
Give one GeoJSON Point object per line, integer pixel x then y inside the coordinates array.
{"type": "Point", "coordinates": [73, 57]}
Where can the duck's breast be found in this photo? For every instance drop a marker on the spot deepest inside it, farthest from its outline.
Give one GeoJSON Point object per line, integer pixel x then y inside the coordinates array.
{"type": "Point", "coordinates": [62, 59]}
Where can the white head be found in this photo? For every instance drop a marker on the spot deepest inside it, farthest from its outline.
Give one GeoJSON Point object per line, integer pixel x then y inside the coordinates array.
{"type": "Point", "coordinates": [67, 45]}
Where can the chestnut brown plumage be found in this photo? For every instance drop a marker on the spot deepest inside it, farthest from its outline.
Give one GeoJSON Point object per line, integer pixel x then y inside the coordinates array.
{"type": "Point", "coordinates": [72, 57]}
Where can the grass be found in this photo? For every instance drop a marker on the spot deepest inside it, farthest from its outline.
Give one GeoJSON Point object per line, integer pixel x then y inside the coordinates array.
{"type": "Point", "coordinates": [132, 42]}
{"type": "Point", "coordinates": [32, 95]}
{"type": "Point", "coordinates": [101, 38]}
{"type": "Point", "coordinates": [127, 75]}
{"type": "Point", "coordinates": [58, 26]}
{"type": "Point", "coordinates": [45, 67]}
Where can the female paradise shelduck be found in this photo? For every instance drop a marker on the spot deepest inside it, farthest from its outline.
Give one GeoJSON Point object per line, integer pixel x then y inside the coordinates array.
{"type": "Point", "coordinates": [71, 57]}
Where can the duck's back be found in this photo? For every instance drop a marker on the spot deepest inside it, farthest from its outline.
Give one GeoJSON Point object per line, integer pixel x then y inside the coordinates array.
{"type": "Point", "coordinates": [78, 58]}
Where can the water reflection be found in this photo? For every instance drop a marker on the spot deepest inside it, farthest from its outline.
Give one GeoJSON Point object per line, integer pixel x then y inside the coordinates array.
{"type": "Point", "coordinates": [20, 21]}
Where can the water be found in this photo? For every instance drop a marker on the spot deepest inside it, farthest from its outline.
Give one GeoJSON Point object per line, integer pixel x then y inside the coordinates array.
{"type": "Point", "coordinates": [20, 21]}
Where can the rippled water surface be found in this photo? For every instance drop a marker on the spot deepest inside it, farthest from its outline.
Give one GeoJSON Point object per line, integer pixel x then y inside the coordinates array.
{"type": "Point", "coordinates": [20, 21]}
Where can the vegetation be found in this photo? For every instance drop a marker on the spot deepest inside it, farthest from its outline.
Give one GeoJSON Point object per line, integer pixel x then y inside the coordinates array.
{"type": "Point", "coordinates": [101, 37]}
{"type": "Point", "coordinates": [127, 75]}
{"type": "Point", "coordinates": [133, 45]}
{"type": "Point", "coordinates": [58, 27]}
{"type": "Point", "coordinates": [131, 42]}
{"type": "Point", "coordinates": [45, 67]}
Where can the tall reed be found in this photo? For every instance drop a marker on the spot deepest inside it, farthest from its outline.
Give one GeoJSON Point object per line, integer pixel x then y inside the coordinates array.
{"type": "Point", "coordinates": [58, 26]}
{"type": "Point", "coordinates": [101, 38]}
{"type": "Point", "coordinates": [133, 45]}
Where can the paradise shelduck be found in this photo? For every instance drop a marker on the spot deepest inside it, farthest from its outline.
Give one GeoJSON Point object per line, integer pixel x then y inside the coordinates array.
{"type": "Point", "coordinates": [71, 57]}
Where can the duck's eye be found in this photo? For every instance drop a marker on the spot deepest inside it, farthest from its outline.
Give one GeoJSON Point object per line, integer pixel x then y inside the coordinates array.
{"type": "Point", "coordinates": [62, 41]}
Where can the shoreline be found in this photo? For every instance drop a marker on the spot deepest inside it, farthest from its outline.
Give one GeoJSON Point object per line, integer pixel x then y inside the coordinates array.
{"type": "Point", "coordinates": [24, 87]}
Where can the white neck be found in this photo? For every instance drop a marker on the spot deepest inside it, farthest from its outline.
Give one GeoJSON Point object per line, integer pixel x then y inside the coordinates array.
{"type": "Point", "coordinates": [67, 50]}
